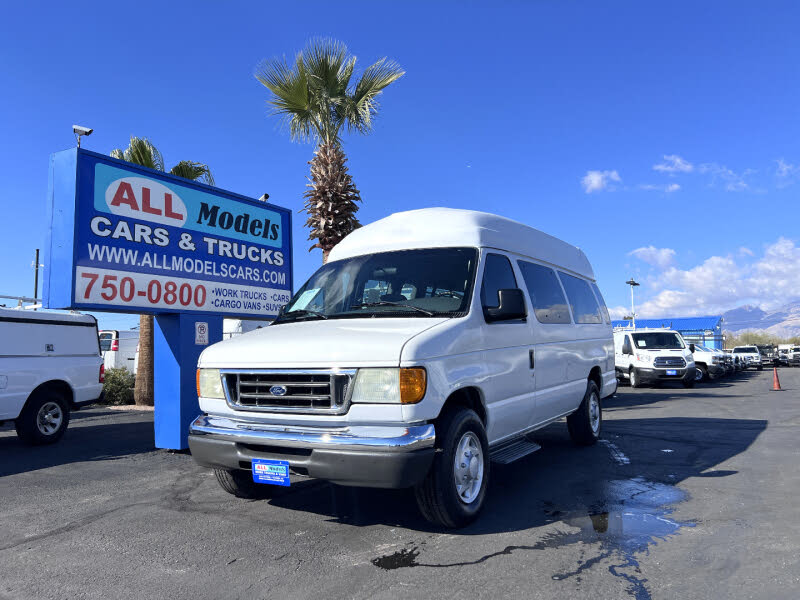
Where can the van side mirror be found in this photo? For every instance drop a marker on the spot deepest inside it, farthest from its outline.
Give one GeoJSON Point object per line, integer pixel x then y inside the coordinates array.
{"type": "Point", "coordinates": [691, 348]}
{"type": "Point", "coordinates": [511, 305]}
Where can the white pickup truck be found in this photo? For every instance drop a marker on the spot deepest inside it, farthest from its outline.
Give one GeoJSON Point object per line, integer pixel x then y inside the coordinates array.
{"type": "Point", "coordinates": [50, 364]}
{"type": "Point", "coordinates": [709, 363]}
{"type": "Point", "coordinates": [749, 356]}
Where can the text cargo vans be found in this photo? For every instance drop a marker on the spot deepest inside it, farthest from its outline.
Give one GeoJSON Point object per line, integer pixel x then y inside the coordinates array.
{"type": "Point", "coordinates": [49, 364]}
{"type": "Point", "coordinates": [429, 345]}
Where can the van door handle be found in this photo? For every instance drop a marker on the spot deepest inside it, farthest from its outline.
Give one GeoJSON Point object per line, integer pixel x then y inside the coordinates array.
{"type": "Point", "coordinates": [530, 356]}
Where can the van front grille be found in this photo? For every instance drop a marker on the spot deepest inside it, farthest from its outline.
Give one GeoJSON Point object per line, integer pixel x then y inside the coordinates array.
{"type": "Point", "coordinates": [318, 391]}
{"type": "Point", "coordinates": [669, 361]}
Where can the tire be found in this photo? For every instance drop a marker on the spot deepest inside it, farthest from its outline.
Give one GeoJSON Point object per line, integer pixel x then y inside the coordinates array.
{"type": "Point", "coordinates": [44, 419]}
{"type": "Point", "coordinates": [240, 484]}
{"type": "Point", "coordinates": [688, 383]}
{"type": "Point", "coordinates": [439, 499]}
{"type": "Point", "coordinates": [586, 423]}
{"type": "Point", "coordinates": [701, 374]}
{"type": "Point", "coordinates": [635, 380]}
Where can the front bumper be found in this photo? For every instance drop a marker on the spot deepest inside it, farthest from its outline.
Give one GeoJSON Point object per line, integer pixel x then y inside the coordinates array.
{"type": "Point", "coordinates": [650, 375]}
{"type": "Point", "coordinates": [368, 456]}
{"type": "Point", "coordinates": [716, 370]}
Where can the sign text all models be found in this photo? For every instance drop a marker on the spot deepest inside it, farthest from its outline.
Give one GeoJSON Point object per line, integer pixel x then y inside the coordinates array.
{"type": "Point", "coordinates": [130, 239]}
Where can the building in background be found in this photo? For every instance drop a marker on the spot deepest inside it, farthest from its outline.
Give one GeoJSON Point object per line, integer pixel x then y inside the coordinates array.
{"type": "Point", "coordinates": [695, 330]}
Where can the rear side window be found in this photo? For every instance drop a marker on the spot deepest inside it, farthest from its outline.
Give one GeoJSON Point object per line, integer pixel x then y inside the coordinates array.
{"type": "Point", "coordinates": [548, 300]}
{"type": "Point", "coordinates": [584, 305]}
{"type": "Point", "coordinates": [497, 275]}
{"type": "Point", "coordinates": [603, 307]}
{"type": "Point", "coordinates": [106, 337]}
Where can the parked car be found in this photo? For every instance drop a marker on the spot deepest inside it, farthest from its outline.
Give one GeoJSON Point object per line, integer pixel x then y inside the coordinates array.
{"type": "Point", "coordinates": [652, 356]}
{"type": "Point", "coordinates": [782, 358]}
{"type": "Point", "coordinates": [709, 362]}
{"type": "Point", "coordinates": [50, 364]}
{"type": "Point", "coordinates": [416, 356]}
{"type": "Point", "coordinates": [793, 356]}
{"type": "Point", "coordinates": [749, 356]}
{"type": "Point", "coordinates": [119, 348]}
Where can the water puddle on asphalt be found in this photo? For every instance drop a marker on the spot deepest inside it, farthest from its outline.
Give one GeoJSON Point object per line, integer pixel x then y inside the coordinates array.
{"type": "Point", "coordinates": [631, 516]}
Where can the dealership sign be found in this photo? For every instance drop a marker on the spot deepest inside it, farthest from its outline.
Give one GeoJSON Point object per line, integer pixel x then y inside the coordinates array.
{"type": "Point", "coordinates": [126, 238]}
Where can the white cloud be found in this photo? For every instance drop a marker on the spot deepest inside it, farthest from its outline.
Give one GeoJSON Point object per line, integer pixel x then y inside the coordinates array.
{"type": "Point", "coordinates": [668, 188]}
{"type": "Point", "coordinates": [745, 251]}
{"type": "Point", "coordinates": [595, 181]}
{"type": "Point", "coordinates": [730, 180]}
{"type": "Point", "coordinates": [674, 164]}
{"type": "Point", "coordinates": [721, 283]}
{"type": "Point", "coordinates": [657, 257]}
{"type": "Point", "coordinates": [785, 169]}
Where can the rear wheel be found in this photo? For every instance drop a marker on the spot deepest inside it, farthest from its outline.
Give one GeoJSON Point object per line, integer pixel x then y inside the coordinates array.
{"type": "Point", "coordinates": [453, 492]}
{"type": "Point", "coordinates": [241, 484]}
{"type": "Point", "coordinates": [44, 418]}
{"type": "Point", "coordinates": [584, 424]}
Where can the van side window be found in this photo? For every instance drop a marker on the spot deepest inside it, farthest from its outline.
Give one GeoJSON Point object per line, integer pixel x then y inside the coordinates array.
{"type": "Point", "coordinates": [626, 346]}
{"type": "Point", "coordinates": [584, 305]}
{"type": "Point", "coordinates": [603, 307]}
{"type": "Point", "coordinates": [497, 275]}
{"type": "Point", "coordinates": [548, 300]}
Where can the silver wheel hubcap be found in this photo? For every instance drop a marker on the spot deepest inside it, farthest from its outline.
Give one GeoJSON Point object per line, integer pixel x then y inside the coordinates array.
{"type": "Point", "coordinates": [698, 374]}
{"type": "Point", "coordinates": [49, 418]}
{"type": "Point", "coordinates": [633, 377]}
{"type": "Point", "coordinates": [594, 413]}
{"type": "Point", "coordinates": [468, 467]}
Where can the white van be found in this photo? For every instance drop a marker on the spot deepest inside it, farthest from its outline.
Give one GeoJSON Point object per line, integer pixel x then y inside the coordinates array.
{"type": "Point", "coordinates": [50, 364]}
{"type": "Point", "coordinates": [651, 355]}
{"type": "Point", "coordinates": [119, 348]}
{"type": "Point", "coordinates": [431, 343]}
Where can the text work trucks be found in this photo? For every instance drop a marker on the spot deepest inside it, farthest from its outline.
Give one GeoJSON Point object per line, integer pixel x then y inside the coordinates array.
{"type": "Point", "coordinates": [430, 345]}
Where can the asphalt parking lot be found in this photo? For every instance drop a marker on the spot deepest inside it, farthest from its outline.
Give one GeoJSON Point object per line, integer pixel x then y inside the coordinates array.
{"type": "Point", "coordinates": [692, 494]}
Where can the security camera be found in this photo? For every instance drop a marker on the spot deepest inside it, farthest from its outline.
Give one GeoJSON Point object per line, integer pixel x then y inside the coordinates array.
{"type": "Point", "coordinates": [264, 197]}
{"type": "Point", "coordinates": [82, 130]}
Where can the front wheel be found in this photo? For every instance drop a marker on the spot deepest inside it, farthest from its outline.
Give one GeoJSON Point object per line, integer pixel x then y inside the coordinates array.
{"type": "Point", "coordinates": [240, 484]}
{"type": "Point", "coordinates": [635, 379]}
{"type": "Point", "coordinates": [585, 423]}
{"type": "Point", "coordinates": [701, 374]}
{"type": "Point", "coordinates": [454, 491]}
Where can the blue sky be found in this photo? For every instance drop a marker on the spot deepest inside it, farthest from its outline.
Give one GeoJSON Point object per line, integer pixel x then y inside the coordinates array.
{"type": "Point", "coordinates": [662, 139]}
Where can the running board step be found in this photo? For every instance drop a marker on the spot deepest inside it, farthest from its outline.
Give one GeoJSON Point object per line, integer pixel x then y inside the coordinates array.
{"type": "Point", "coordinates": [517, 449]}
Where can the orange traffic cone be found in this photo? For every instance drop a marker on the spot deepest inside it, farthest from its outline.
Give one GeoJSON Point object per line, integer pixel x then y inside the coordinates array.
{"type": "Point", "coordinates": [776, 383]}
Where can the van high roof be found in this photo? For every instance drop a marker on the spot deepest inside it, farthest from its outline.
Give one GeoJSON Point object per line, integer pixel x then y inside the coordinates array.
{"type": "Point", "coordinates": [451, 227]}
{"type": "Point", "coordinates": [12, 314]}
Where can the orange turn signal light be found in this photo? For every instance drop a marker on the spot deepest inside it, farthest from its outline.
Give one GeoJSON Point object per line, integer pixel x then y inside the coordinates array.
{"type": "Point", "coordinates": [413, 383]}
{"type": "Point", "coordinates": [197, 381]}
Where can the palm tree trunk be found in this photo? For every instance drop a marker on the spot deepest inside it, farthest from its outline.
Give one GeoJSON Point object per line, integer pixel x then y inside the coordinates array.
{"type": "Point", "coordinates": [143, 391]}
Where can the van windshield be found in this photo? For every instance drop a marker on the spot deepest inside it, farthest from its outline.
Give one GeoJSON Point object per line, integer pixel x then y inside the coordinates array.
{"type": "Point", "coordinates": [405, 283]}
{"type": "Point", "coordinates": [106, 337]}
{"type": "Point", "coordinates": [658, 340]}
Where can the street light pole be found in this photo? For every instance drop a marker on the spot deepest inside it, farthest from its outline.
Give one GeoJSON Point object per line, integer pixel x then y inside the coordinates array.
{"type": "Point", "coordinates": [633, 284]}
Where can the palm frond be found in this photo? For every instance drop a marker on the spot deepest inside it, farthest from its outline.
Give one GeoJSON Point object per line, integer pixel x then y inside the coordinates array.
{"type": "Point", "coordinates": [118, 154]}
{"type": "Point", "coordinates": [142, 152]}
{"type": "Point", "coordinates": [194, 171]}
{"type": "Point", "coordinates": [290, 95]}
{"type": "Point", "coordinates": [363, 105]}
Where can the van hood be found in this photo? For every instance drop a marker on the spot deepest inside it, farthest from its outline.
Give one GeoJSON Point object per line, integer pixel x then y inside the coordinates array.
{"type": "Point", "coordinates": [320, 344]}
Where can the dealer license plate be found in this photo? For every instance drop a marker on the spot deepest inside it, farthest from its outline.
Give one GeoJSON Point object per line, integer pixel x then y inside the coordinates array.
{"type": "Point", "coordinates": [273, 472]}
{"type": "Point", "coordinates": [671, 372]}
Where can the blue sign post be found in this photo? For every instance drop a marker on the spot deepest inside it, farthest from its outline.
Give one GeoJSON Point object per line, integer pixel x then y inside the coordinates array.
{"type": "Point", "coordinates": [125, 238]}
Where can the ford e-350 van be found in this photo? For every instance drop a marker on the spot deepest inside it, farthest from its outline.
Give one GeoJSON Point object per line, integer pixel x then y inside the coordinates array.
{"type": "Point", "coordinates": [431, 343]}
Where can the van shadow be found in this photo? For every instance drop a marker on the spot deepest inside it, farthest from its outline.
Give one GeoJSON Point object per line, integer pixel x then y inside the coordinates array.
{"type": "Point", "coordinates": [91, 436]}
{"type": "Point", "coordinates": [559, 479]}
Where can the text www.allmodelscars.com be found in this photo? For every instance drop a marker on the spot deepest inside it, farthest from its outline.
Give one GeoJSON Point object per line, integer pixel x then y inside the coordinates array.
{"type": "Point", "coordinates": [154, 260]}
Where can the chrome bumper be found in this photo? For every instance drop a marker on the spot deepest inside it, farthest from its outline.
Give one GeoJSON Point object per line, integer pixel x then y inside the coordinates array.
{"type": "Point", "coordinates": [356, 437]}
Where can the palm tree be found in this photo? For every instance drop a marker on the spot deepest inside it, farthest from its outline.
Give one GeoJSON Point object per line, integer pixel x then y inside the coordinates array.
{"type": "Point", "coordinates": [317, 99]}
{"type": "Point", "coordinates": [142, 152]}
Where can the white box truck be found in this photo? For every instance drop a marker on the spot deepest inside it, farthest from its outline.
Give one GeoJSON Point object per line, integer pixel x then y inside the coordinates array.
{"type": "Point", "coordinates": [50, 364]}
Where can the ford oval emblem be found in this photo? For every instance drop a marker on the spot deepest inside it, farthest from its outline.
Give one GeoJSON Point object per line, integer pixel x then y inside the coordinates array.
{"type": "Point", "coordinates": [277, 390]}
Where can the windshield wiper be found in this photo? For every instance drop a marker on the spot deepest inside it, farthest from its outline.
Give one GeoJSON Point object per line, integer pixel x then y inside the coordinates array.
{"type": "Point", "coordinates": [300, 312]}
{"type": "Point", "coordinates": [388, 303]}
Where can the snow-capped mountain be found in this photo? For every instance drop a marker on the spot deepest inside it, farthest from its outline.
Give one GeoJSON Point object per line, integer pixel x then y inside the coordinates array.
{"type": "Point", "coordinates": [784, 322]}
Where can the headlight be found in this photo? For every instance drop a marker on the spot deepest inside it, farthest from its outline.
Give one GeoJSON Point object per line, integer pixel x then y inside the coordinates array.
{"type": "Point", "coordinates": [644, 358]}
{"type": "Point", "coordinates": [209, 383]}
{"type": "Point", "coordinates": [390, 386]}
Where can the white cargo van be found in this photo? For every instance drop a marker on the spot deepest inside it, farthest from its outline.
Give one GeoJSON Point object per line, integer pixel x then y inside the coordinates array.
{"type": "Point", "coordinates": [651, 355]}
{"type": "Point", "coordinates": [431, 343]}
{"type": "Point", "coordinates": [50, 364]}
{"type": "Point", "coordinates": [119, 348]}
